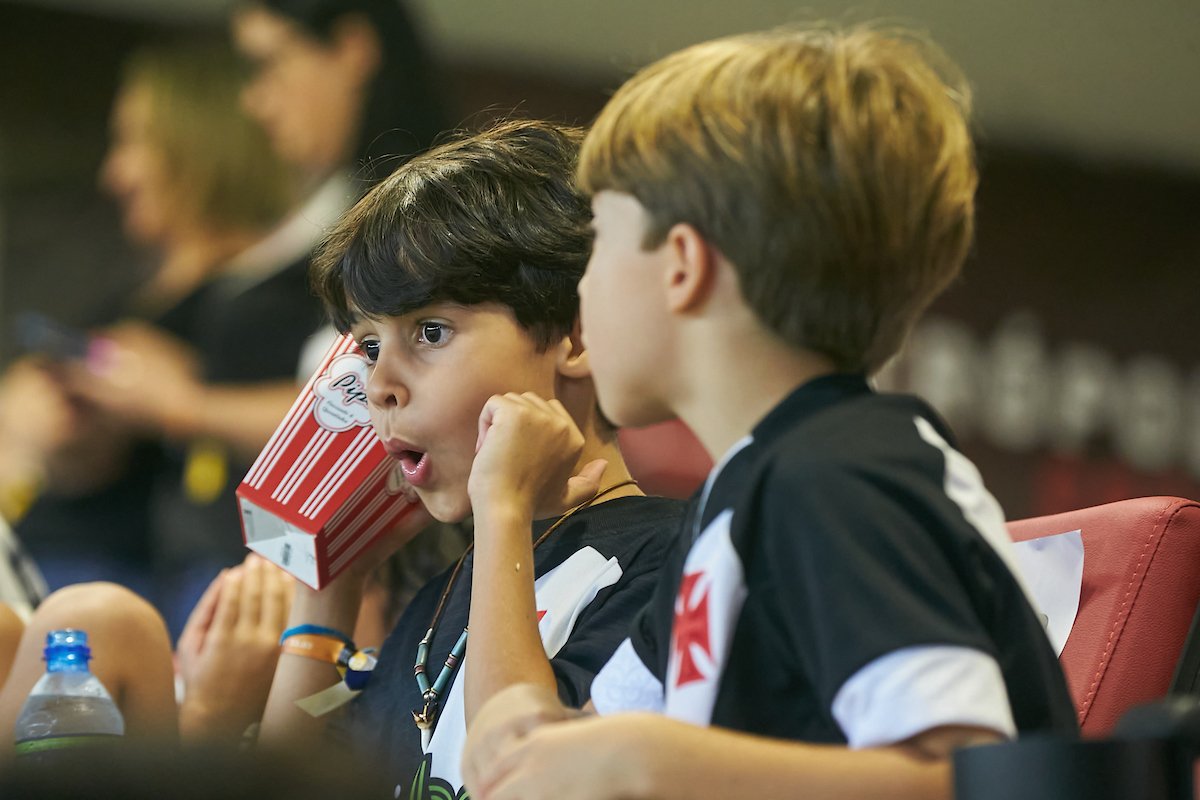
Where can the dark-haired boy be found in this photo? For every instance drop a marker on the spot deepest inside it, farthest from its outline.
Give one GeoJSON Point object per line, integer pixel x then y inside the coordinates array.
{"type": "Point", "coordinates": [457, 276]}
{"type": "Point", "coordinates": [774, 211]}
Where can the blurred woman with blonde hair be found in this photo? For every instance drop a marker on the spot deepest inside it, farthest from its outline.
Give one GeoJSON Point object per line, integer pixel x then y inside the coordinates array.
{"type": "Point", "coordinates": [151, 426]}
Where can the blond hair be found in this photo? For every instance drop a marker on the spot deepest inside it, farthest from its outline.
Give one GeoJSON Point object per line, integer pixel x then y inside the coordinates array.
{"type": "Point", "coordinates": [834, 169]}
{"type": "Point", "coordinates": [220, 161]}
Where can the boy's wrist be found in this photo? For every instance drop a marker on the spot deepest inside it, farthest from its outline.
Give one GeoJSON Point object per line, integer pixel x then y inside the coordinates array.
{"type": "Point", "coordinates": [195, 721]}
{"type": "Point", "coordinates": [199, 722]}
{"type": "Point", "coordinates": [499, 516]}
{"type": "Point", "coordinates": [336, 606]}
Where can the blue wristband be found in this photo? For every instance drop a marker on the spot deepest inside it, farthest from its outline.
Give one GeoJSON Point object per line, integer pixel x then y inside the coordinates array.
{"type": "Point", "coordinates": [317, 630]}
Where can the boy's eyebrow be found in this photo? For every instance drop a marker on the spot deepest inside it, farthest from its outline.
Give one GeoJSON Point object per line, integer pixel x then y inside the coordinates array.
{"type": "Point", "coordinates": [354, 318]}
{"type": "Point", "coordinates": [359, 319]}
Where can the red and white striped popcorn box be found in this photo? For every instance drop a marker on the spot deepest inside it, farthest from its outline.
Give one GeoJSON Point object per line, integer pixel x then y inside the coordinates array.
{"type": "Point", "coordinates": [323, 488]}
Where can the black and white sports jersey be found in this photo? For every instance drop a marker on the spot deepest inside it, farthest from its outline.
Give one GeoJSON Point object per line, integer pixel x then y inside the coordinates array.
{"type": "Point", "coordinates": [845, 578]}
{"type": "Point", "coordinates": [593, 575]}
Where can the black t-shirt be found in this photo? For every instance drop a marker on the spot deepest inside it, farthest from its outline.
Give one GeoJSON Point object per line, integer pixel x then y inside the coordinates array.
{"type": "Point", "coordinates": [848, 580]}
{"type": "Point", "coordinates": [593, 574]}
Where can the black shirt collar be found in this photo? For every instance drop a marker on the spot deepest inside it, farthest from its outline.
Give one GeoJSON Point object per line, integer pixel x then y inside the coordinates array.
{"type": "Point", "coordinates": [808, 399]}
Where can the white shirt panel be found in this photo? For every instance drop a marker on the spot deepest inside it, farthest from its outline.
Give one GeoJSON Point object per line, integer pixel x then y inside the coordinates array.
{"type": "Point", "coordinates": [562, 593]}
{"type": "Point", "coordinates": [707, 608]}
{"type": "Point", "coordinates": [626, 684]}
{"type": "Point", "coordinates": [915, 689]}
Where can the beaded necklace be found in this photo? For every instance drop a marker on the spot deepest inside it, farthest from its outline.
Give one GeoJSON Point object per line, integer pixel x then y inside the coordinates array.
{"type": "Point", "coordinates": [431, 693]}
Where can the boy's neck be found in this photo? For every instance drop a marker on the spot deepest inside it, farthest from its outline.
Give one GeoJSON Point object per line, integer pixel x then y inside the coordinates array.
{"type": "Point", "coordinates": [599, 440]}
{"type": "Point", "coordinates": [740, 377]}
{"type": "Point", "coordinates": [615, 473]}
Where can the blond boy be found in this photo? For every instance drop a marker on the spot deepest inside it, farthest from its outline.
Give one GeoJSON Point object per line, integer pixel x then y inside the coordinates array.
{"type": "Point", "coordinates": [772, 214]}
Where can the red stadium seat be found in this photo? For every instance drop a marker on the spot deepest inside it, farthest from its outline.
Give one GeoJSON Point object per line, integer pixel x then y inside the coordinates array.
{"type": "Point", "coordinates": [1138, 601]}
{"type": "Point", "coordinates": [666, 458]}
{"type": "Point", "coordinates": [1141, 586]}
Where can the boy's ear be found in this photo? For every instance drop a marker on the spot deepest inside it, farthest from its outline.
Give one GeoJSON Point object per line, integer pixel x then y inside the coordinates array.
{"type": "Point", "coordinates": [573, 356]}
{"type": "Point", "coordinates": [358, 46]}
{"type": "Point", "coordinates": [691, 268]}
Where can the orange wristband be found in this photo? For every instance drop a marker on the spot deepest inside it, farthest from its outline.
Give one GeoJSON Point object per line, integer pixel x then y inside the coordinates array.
{"type": "Point", "coordinates": [318, 647]}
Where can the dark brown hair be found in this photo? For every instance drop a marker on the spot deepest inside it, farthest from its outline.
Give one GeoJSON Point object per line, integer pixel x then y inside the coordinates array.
{"type": "Point", "coordinates": [492, 217]}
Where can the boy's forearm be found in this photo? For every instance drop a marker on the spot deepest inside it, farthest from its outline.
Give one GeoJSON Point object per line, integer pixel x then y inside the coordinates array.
{"type": "Point", "coordinates": [297, 677]}
{"type": "Point", "coordinates": [504, 646]}
{"type": "Point", "coordinates": [690, 763]}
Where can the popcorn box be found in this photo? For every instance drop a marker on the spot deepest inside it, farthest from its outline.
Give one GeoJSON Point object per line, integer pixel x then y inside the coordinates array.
{"type": "Point", "coordinates": [323, 488]}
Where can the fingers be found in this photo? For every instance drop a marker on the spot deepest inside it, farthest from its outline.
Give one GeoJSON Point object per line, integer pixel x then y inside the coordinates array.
{"type": "Point", "coordinates": [414, 520]}
{"type": "Point", "coordinates": [498, 781]}
{"type": "Point", "coordinates": [481, 760]}
{"type": "Point", "coordinates": [201, 618]}
{"type": "Point", "coordinates": [503, 723]}
{"type": "Point", "coordinates": [527, 451]}
{"type": "Point", "coordinates": [532, 408]}
{"type": "Point", "coordinates": [278, 588]}
{"type": "Point", "coordinates": [266, 598]}
{"type": "Point", "coordinates": [485, 418]}
{"type": "Point", "coordinates": [250, 607]}
{"type": "Point", "coordinates": [586, 484]}
{"type": "Point", "coordinates": [503, 776]}
{"type": "Point", "coordinates": [229, 602]}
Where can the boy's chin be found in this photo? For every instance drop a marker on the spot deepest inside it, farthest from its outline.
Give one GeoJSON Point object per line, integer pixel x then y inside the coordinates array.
{"type": "Point", "coordinates": [629, 415]}
{"type": "Point", "coordinates": [446, 506]}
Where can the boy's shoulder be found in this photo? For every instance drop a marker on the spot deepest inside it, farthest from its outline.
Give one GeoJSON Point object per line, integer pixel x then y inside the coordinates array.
{"type": "Point", "coordinates": [851, 456]}
{"type": "Point", "coordinates": [634, 514]}
{"type": "Point", "coordinates": [625, 528]}
{"type": "Point", "coordinates": [837, 427]}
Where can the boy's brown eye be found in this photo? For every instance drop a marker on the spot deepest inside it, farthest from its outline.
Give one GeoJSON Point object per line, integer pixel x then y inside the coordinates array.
{"type": "Point", "coordinates": [433, 332]}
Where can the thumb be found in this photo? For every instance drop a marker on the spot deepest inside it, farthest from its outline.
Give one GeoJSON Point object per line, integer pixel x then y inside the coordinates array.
{"type": "Point", "coordinates": [584, 486]}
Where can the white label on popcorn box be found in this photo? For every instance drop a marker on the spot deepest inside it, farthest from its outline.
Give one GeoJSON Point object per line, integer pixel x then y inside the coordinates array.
{"type": "Point", "coordinates": [341, 394]}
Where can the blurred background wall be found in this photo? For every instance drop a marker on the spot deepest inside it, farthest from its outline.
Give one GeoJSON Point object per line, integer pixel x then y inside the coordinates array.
{"type": "Point", "coordinates": [1068, 356]}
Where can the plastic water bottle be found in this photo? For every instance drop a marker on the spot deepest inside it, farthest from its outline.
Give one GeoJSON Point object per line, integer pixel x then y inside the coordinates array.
{"type": "Point", "coordinates": [68, 706]}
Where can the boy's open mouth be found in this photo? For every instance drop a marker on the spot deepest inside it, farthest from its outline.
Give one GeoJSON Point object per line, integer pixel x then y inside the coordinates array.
{"type": "Point", "coordinates": [415, 466]}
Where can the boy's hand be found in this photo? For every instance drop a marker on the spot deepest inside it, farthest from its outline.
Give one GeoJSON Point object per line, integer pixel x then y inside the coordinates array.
{"type": "Point", "coordinates": [586, 758]}
{"type": "Point", "coordinates": [337, 605]}
{"type": "Point", "coordinates": [510, 715]}
{"type": "Point", "coordinates": [526, 455]}
{"type": "Point", "coordinates": [387, 545]}
{"type": "Point", "coordinates": [228, 649]}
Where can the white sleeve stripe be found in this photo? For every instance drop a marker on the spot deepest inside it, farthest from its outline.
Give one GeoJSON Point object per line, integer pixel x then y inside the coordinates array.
{"type": "Point", "coordinates": [963, 484]}
{"type": "Point", "coordinates": [626, 684]}
{"type": "Point", "coordinates": [915, 689]}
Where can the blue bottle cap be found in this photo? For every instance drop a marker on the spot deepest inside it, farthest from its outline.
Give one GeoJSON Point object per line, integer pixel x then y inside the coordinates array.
{"type": "Point", "coordinates": [67, 651]}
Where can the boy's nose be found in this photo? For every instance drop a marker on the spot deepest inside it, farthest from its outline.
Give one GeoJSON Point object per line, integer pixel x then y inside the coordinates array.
{"type": "Point", "coordinates": [385, 390]}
